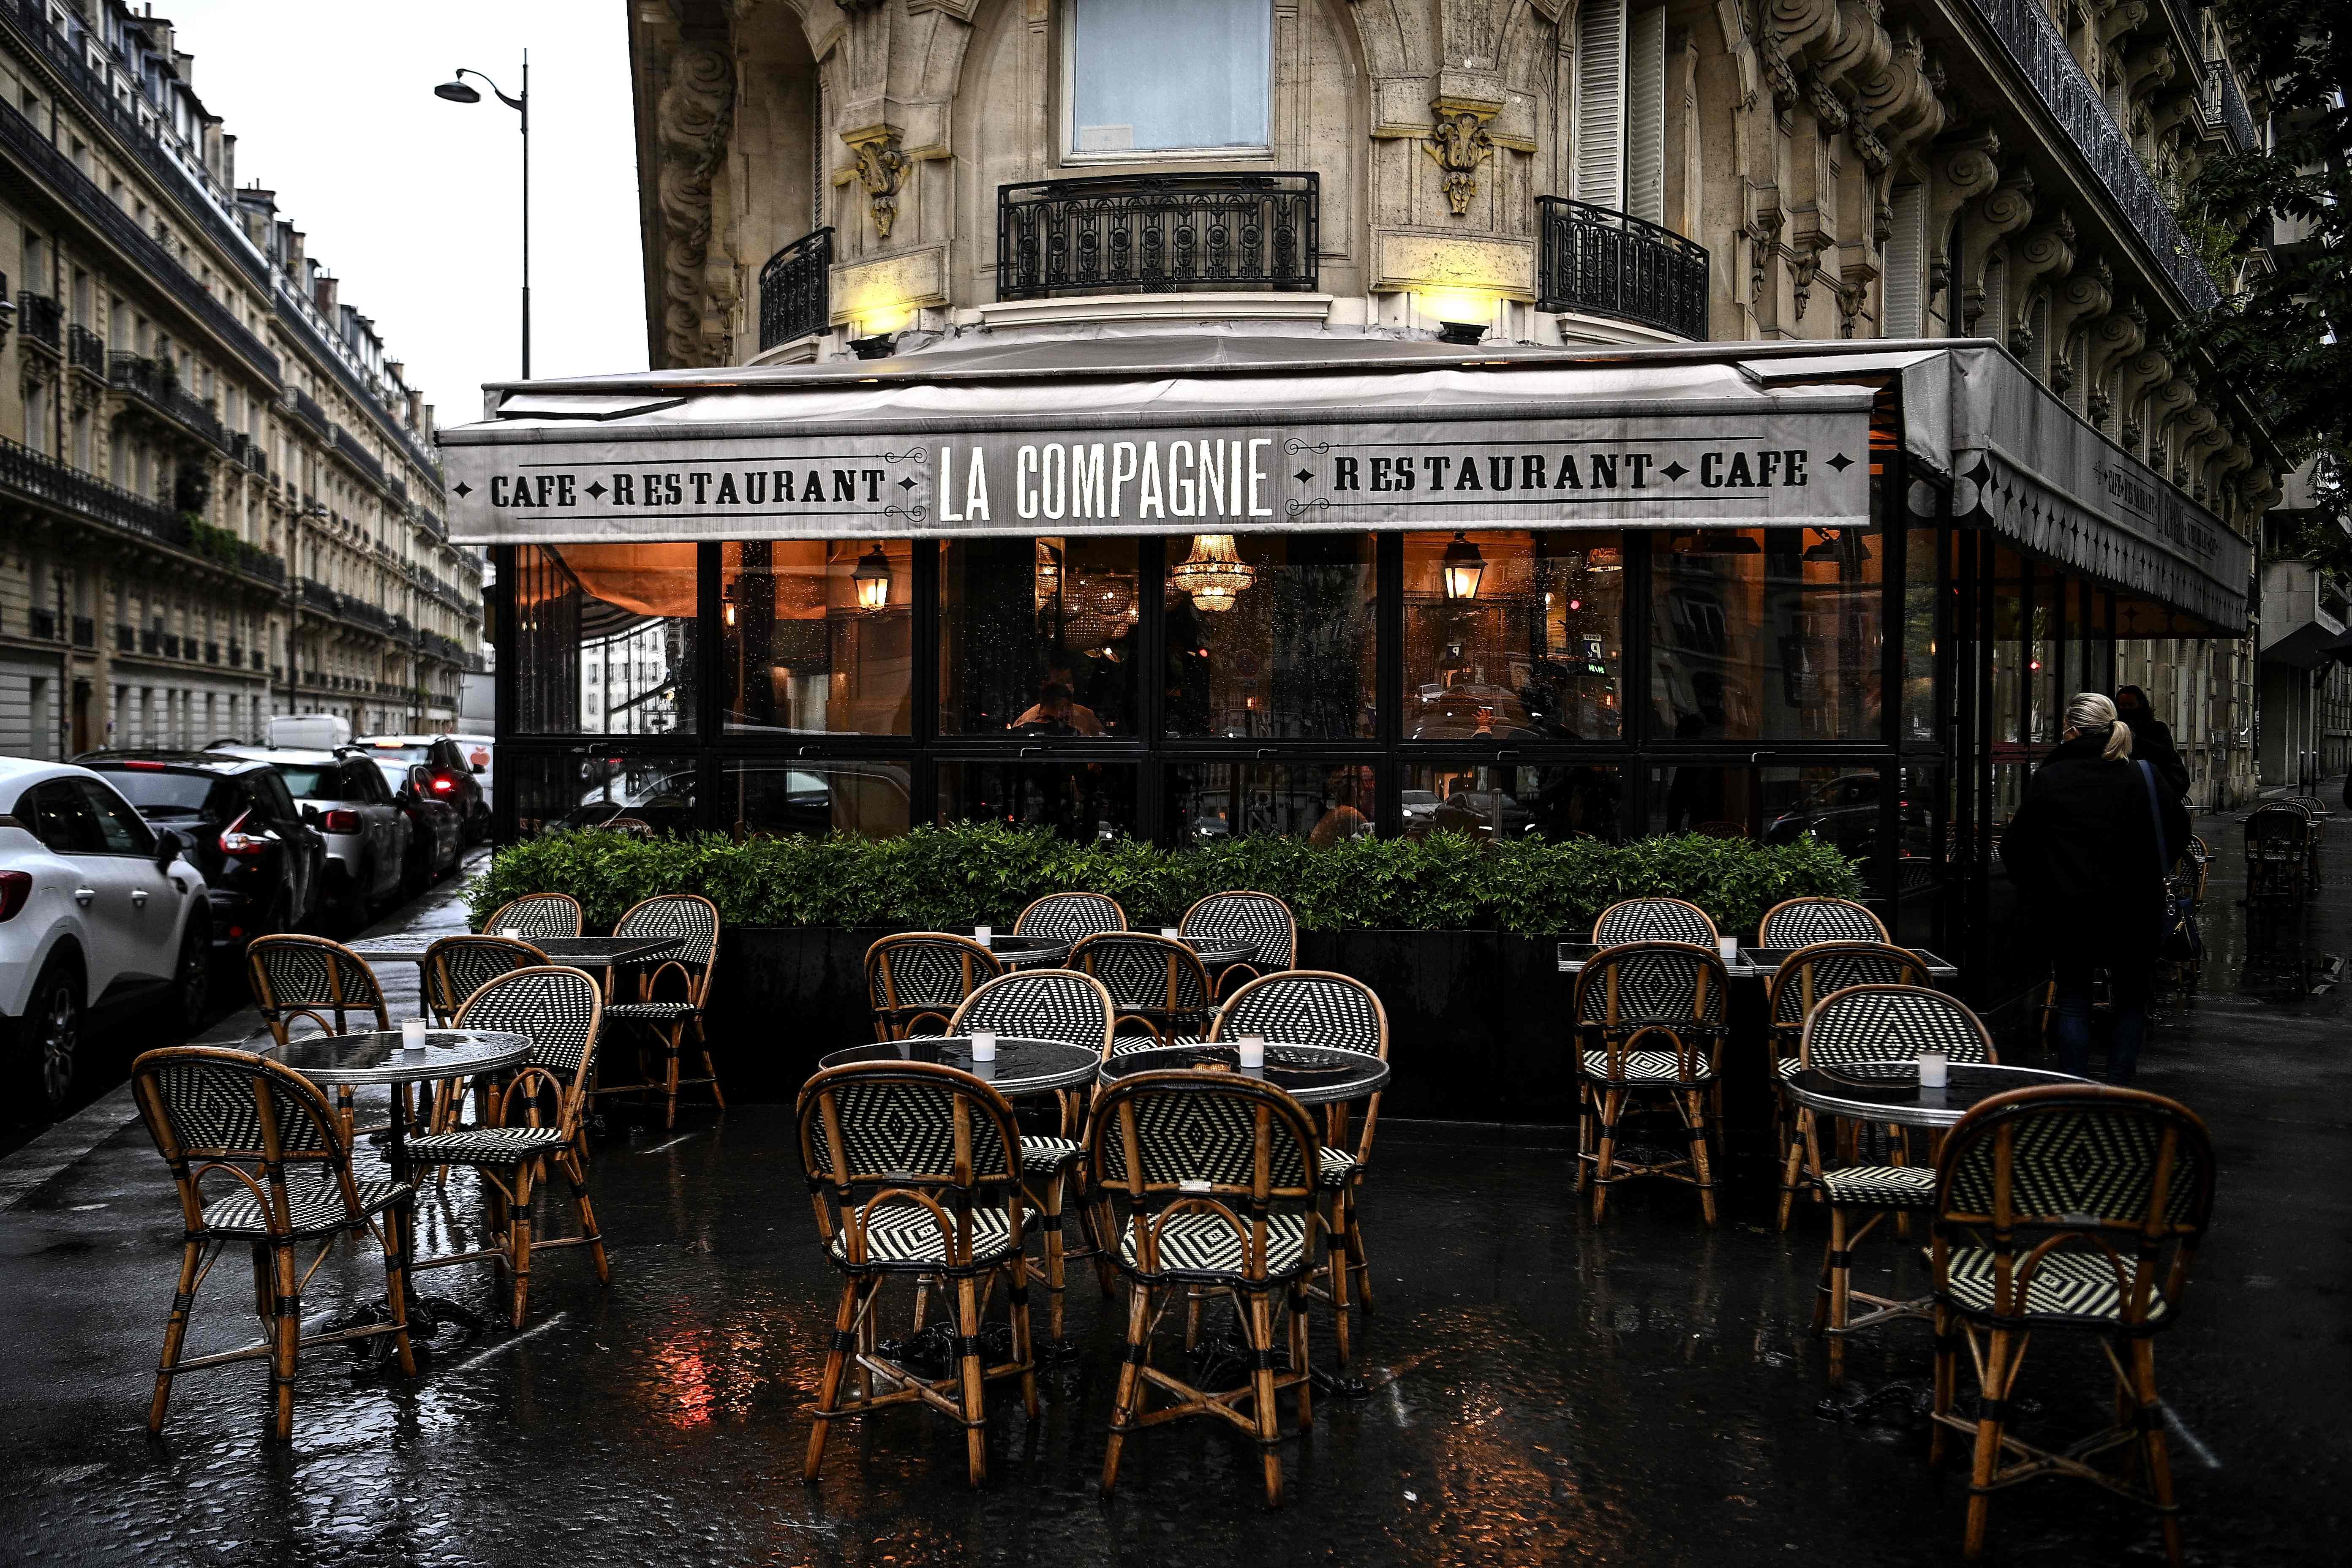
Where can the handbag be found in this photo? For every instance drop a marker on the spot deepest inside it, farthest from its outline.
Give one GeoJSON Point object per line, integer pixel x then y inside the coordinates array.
{"type": "Point", "coordinates": [2178, 939]}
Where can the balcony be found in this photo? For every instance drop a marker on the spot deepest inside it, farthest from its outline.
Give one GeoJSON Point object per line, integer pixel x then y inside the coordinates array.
{"type": "Point", "coordinates": [795, 298]}
{"type": "Point", "coordinates": [151, 641]}
{"type": "Point", "coordinates": [85, 350]}
{"type": "Point", "coordinates": [38, 477]}
{"type": "Point", "coordinates": [40, 319]}
{"type": "Point", "coordinates": [1598, 262]}
{"type": "Point", "coordinates": [171, 644]}
{"type": "Point", "coordinates": [1152, 234]}
{"type": "Point", "coordinates": [2225, 105]}
{"type": "Point", "coordinates": [355, 453]}
{"type": "Point", "coordinates": [307, 407]}
{"type": "Point", "coordinates": [152, 382]}
{"type": "Point", "coordinates": [2302, 621]}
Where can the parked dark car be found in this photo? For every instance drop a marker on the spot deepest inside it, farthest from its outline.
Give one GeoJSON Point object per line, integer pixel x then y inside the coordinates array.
{"type": "Point", "coordinates": [437, 834]}
{"type": "Point", "coordinates": [453, 777]}
{"type": "Point", "coordinates": [1842, 812]}
{"type": "Point", "coordinates": [265, 867]}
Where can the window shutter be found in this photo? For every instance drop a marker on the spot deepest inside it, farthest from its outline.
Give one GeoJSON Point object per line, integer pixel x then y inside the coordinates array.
{"type": "Point", "coordinates": [1905, 266]}
{"type": "Point", "coordinates": [1600, 103]}
{"type": "Point", "coordinates": [1645, 116]}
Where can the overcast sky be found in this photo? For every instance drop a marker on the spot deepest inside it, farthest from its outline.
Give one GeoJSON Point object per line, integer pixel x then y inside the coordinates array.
{"type": "Point", "coordinates": [414, 203]}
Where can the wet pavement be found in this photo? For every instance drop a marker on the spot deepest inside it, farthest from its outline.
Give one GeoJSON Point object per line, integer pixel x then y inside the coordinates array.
{"type": "Point", "coordinates": [1543, 1392]}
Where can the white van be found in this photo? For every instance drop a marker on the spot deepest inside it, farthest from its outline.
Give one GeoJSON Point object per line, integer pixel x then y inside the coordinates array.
{"type": "Point", "coordinates": [309, 731]}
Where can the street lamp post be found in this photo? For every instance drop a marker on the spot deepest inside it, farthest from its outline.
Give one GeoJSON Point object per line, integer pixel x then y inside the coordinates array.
{"type": "Point", "coordinates": [457, 90]}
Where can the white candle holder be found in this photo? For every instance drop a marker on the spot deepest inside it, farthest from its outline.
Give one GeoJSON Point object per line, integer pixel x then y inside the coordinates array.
{"type": "Point", "coordinates": [412, 1038]}
{"type": "Point", "coordinates": [983, 934]}
{"type": "Point", "coordinates": [1170, 932]}
{"type": "Point", "coordinates": [984, 1045]}
{"type": "Point", "coordinates": [1934, 1069]}
{"type": "Point", "coordinates": [1729, 947]}
{"type": "Point", "coordinates": [1253, 1049]}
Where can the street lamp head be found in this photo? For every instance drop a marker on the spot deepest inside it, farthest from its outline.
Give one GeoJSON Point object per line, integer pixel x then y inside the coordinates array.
{"type": "Point", "coordinates": [458, 91]}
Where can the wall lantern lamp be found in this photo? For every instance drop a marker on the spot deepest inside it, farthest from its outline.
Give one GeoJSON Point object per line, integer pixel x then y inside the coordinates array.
{"type": "Point", "coordinates": [1462, 569]}
{"type": "Point", "coordinates": [727, 603]}
{"type": "Point", "coordinates": [873, 579]}
{"type": "Point", "coordinates": [1214, 573]}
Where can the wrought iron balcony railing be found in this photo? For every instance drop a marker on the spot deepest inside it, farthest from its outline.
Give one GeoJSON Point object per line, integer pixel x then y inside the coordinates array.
{"type": "Point", "coordinates": [36, 476]}
{"type": "Point", "coordinates": [2225, 103]}
{"type": "Point", "coordinates": [1148, 234]}
{"type": "Point", "coordinates": [39, 320]}
{"type": "Point", "coordinates": [1600, 262]}
{"type": "Point", "coordinates": [795, 291]}
{"type": "Point", "coordinates": [152, 381]}
{"type": "Point", "coordinates": [352, 448]}
{"type": "Point", "coordinates": [85, 350]}
{"type": "Point", "coordinates": [312, 415]}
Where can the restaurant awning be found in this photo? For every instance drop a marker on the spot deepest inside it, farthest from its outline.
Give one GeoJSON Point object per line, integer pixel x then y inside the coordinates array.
{"type": "Point", "coordinates": [1155, 433]}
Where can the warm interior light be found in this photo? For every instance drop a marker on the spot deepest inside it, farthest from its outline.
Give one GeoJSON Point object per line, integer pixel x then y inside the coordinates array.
{"type": "Point", "coordinates": [1214, 573]}
{"type": "Point", "coordinates": [727, 603]}
{"type": "Point", "coordinates": [1455, 305]}
{"type": "Point", "coordinates": [1049, 573]}
{"type": "Point", "coordinates": [1720, 542]}
{"type": "Point", "coordinates": [884, 323]}
{"type": "Point", "coordinates": [1608, 558]}
{"type": "Point", "coordinates": [873, 579]}
{"type": "Point", "coordinates": [1462, 569]}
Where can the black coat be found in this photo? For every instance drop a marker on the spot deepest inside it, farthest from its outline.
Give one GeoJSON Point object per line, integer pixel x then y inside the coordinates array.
{"type": "Point", "coordinates": [2082, 851]}
{"type": "Point", "coordinates": [2152, 743]}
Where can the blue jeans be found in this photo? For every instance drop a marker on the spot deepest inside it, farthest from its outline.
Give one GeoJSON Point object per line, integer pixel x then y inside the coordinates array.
{"type": "Point", "coordinates": [2073, 1030]}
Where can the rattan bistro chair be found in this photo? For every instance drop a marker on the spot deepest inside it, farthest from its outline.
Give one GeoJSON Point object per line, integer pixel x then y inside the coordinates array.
{"type": "Point", "coordinates": [2076, 1207]}
{"type": "Point", "coordinates": [535, 915]}
{"type": "Point", "coordinates": [914, 1169]}
{"type": "Point", "coordinates": [1856, 1032]}
{"type": "Point", "coordinates": [1802, 980]}
{"type": "Point", "coordinates": [1649, 1025]}
{"type": "Point", "coordinates": [922, 977]}
{"type": "Point", "coordinates": [561, 1011]}
{"type": "Point", "coordinates": [1208, 1182]}
{"type": "Point", "coordinates": [455, 968]}
{"type": "Point", "coordinates": [1049, 1004]}
{"type": "Point", "coordinates": [1260, 920]}
{"type": "Point", "coordinates": [1317, 1007]}
{"type": "Point", "coordinates": [298, 979]}
{"type": "Point", "coordinates": [661, 1022]}
{"type": "Point", "coordinates": [2278, 856]}
{"type": "Point", "coordinates": [1654, 920]}
{"type": "Point", "coordinates": [1065, 917]}
{"type": "Point", "coordinates": [1801, 923]}
{"type": "Point", "coordinates": [1155, 982]}
{"type": "Point", "coordinates": [283, 1170]}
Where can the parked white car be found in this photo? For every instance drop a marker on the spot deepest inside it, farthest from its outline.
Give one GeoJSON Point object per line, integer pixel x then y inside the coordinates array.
{"type": "Point", "coordinates": [98, 911]}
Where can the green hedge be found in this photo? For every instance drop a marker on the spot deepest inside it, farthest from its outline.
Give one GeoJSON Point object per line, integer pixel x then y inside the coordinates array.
{"type": "Point", "coordinates": [953, 878]}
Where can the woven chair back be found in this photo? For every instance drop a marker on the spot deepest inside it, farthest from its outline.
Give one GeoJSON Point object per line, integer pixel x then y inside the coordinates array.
{"type": "Point", "coordinates": [923, 972]}
{"type": "Point", "coordinates": [1262, 921]}
{"type": "Point", "coordinates": [299, 977]}
{"type": "Point", "coordinates": [2091, 1201]}
{"type": "Point", "coordinates": [1813, 972]}
{"type": "Point", "coordinates": [1863, 1024]}
{"type": "Point", "coordinates": [1144, 971]}
{"type": "Point", "coordinates": [1309, 1007]}
{"type": "Point", "coordinates": [694, 921]}
{"type": "Point", "coordinates": [1654, 920]}
{"type": "Point", "coordinates": [1042, 1005]}
{"type": "Point", "coordinates": [535, 915]}
{"type": "Point", "coordinates": [1065, 917]}
{"type": "Point", "coordinates": [559, 1010]}
{"type": "Point", "coordinates": [1639, 983]}
{"type": "Point", "coordinates": [2277, 829]}
{"type": "Point", "coordinates": [1206, 1167]}
{"type": "Point", "coordinates": [457, 966]}
{"type": "Point", "coordinates": [246, 1125]}
{"type": "Point", "coordinates": [1801, 923]}
{"type": "Point", "coordinates": [906, 1124]}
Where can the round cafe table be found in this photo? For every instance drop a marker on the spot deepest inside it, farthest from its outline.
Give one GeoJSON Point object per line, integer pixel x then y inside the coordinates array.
{"type": "Point", "coordinates": [1311, 1075]}
{"type": "Point", "coordinates": [1889, 1091]}
{"type": "Point", "coordinates": [1023, 1066]}
{"type": "Point", "coordinates": [1027, 951]}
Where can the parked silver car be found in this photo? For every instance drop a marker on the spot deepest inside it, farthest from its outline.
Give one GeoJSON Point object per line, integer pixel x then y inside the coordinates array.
{"type": "Point", "coordinates": [344, 796]}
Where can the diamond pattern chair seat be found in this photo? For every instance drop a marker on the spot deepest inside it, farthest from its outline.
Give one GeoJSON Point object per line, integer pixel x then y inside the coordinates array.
{"type": "Point", "coordinates": [486, 1145]}
{"type": "Point", "coordinates": [1810, 975]}
{"type": "Point", "coordinates": [315, 1209]}
{"type": "Point", "coordinates": [2065, 1285]}
{"type": "Point", "coordinates": [1801, 923]}
{"type": "Point", "coordinates": [1645, 1066]}
{"type": "Point", "coordinates": [906, 1236]}
{"type": "Point", "coordinates": [1882, 1186]}
{"type": "Point", "coordinates": [1201, 1242]}
{"type": "Point", "coordinates": [1334, 1168]}
{"type": "Point", "coordinates": [1654, 920]}
{"type": "Point", "coordinates": [1043, 1156]}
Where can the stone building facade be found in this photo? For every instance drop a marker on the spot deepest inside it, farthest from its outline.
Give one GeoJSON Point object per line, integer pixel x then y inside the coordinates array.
{"type": "Point", "coordinates": [218, 497]}
{"type": "Point", "coordinates": [820, 174]}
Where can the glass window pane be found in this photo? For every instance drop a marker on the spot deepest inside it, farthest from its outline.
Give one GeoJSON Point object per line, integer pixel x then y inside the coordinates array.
{"type": "Point", "coordinates": [1036, 636]}
{"type": "Point", "coordinates": [1322, 803]}
{"type": "Point", "coordinates": [1919, 633]}
{"type": "Point", "coordinates": [1837, 804]}
{"type": "Point", "coordinates": [2043, 666]}
{"type": "Point", "coordinates": [1290, 651]}
{"type": "Point", "coordinates": [868, 798]}
{"type": "Point", "coordinates": [1147, 75]}
{"type": "Point", "coordinates": [1570, 800]}
{"type": "Point", "coordinates": [1083, 801]}
{"type": "Point", "coordinates": [2008, 590]}
{"type": "Point", "coordinates": [1921, 865]}
{"type": "Point", "coordinates": [1767, 634]}
{"type": "Point", "coordinates": [558, 791]}
{"type": "Point", "coordinates": [1512, 636]}
{"type": "Point", "coordinates": [604, 638]}
{"type": "Point", "coordinates": [1705, 798]}
{"type": "Point", "coordinates": [816, 636]}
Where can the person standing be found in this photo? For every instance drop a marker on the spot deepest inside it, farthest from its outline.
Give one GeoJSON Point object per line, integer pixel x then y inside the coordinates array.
{"type": "Point", "coordinates": [2152, 740]}
{"type": "Point", "coordinates": [2088, 849]}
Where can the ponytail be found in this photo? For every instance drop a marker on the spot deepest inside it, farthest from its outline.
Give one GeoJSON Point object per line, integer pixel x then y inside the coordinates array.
{"type": "Point", "coordinates": [2090, 712]}
{"type": "Point", "coordinates": [2120, 739]}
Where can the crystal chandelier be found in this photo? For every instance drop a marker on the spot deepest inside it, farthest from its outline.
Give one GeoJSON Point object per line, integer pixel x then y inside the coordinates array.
{"type": "Point", "coordinates": [1214, 573]}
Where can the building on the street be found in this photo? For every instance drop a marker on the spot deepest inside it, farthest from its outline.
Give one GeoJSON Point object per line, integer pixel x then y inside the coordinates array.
{"type": "Point", "coordinates": [2305, 636]}
{"type": "Point", "coordinates": [218, 497]}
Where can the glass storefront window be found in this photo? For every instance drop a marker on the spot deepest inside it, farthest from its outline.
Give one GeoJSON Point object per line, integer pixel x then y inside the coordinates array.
{"type": "Point", "coordinates": [869, 797]}
{"type": "Point", "coordinates": [1921, 632]}
{"type": "Point", "coordinates": [1922, 863]}
{"type": "Point", "coordinates": [582, 787]}
{"type": "Point", "coordinates": [1514, 636]}
{"type": "Point", "coordinates": [1037, 637]}
{"type": "Point", "coordinates": [1078, 800]}
{"type": "Point", "coordinates": [816, 637]}
{"type": "Point", "coordinates": [2008, 651]}
{"type": "Point", "coordinates": [2043, 667]}
{"type": "Point", "coordinates": [1322, 803]}
{"type": "Point", "coordinates": [1271, 634]}
{"type": "Point", "coordinates": [1766, 634]}
{"type": "Point", "coordinates": [1562, 801]}
{"type": "Point", "coordinates": [604, 639]}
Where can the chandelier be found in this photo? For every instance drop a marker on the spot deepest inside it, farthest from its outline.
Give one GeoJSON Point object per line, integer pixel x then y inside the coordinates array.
{"type": "Point", "coordinates": [1096, 610]}
{"type": "Point", "coordinates": [1214, 573]}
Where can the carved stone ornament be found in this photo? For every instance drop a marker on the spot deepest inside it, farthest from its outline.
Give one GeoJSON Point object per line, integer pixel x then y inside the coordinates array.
{"type": "Point", "coordinates": [692, 119]}
{"type": "Point", "coordinates": [1459, 144]}
{"type": "Point", "coordinates": [881, 169]}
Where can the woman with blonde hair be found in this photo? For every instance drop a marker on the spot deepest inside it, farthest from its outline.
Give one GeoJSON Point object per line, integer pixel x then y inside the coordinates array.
{"type": "Point", "coordinates": [2088, 850]}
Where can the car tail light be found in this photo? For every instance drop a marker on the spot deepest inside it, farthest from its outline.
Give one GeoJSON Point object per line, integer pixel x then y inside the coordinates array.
{"type": "Point", "coordinates": [341, 822]}
{"type": "Point", "coordinates": [16, 887]}
{"type": "Point", "coordinates": [442, 784]}
{"type": "Point", "coordinates": [233, 840]}
{"type": "Point", "coordinates": [144, 767]}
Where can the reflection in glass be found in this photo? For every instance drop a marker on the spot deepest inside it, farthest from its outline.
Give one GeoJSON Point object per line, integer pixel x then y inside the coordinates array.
{"type": "Point", "coordinates": [1321, 802]}
{"type": "Point", "coordinates": [2044, 666]}
{"type": "Point", "coordinates": [815, 636]}
{"type": "Point", "coordinates": [1767, 634]}
{"type": "Point", "coordinates": [562, 791]}
{"type": "Point", "coordinates": [1838, 804]}
{"type": "Point", "coordinates": [604, 638]}
{"type": "Point", "coordinates": [1920, 867]}
{"type": "Point", "coordinates": [1525, 643]}
{"type": "Point", "coordinates": [2008, 662]}
{"type": "Point", "coordinates": [1037, 637]}
{"type": "Point", "coordinates": [1271, 634]}
{"type": "Point", "coordinates": [1563, 801]}
{"type": "Point", "coordinates": [1920, 600]}
{"type": "Point", "coordinates": [1703, 797]}
{"type": "Point", "coordinates": [867, 797]}
{"type": "Point", "coordinates": [1081, 801]}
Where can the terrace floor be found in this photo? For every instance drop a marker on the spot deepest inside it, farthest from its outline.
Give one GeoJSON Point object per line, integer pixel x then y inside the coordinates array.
{"type": "Point", "coordinates": [1543, 1391]}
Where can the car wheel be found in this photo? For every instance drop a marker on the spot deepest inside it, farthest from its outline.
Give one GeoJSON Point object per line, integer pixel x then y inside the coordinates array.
{"type": "Point", "coordinates": [48, 1046]}
{"type": "Point", "coordinates": [191, 980]}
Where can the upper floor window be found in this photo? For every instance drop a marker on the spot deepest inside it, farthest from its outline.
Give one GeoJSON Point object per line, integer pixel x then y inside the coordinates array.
{"type": "Point", "coordinates": [1148, 78]}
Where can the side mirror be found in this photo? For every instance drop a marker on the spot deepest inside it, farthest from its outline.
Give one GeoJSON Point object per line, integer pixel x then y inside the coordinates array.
{"type": "Point", "coordinates": [311, 816]}
{"type": "Point", "coordinates": [170, 845]}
